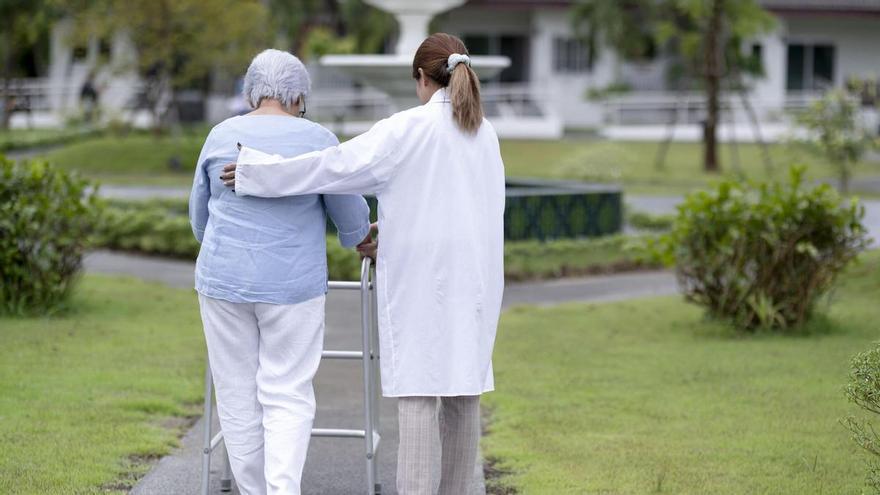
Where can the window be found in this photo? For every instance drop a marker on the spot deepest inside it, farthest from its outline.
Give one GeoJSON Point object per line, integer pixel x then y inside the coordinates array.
{"type": "Point", "coordinates": [571, 55]}
{"type": "Point", "coordinates": [515, 47]}
{"type": "Point", "coordinates": [756, 61]}
{"type": "Point", "coordinates": [810, 67]}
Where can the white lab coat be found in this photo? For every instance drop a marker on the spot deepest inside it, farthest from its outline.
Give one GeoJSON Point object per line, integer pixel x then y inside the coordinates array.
{"type": "Point", "coordinates": [440, 273]}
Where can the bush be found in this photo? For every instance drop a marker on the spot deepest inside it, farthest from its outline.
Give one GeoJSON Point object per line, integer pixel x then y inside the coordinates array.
{"type": "Point", "coordinates": [834, 129]}
{"type": "Point", "coordinates": [46, 217]}
{"type": "Point", "coordinates": [525, 260]}
{"type": "Point", "coordinates": [762, 254]}
{"type": "Point", "coordinates": [649, 221]}
{"type": "Point", "coordinates": [864, 390]}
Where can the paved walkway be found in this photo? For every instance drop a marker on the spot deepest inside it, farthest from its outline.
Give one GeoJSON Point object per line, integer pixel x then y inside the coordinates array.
{"type": "Point", "coordinates": [335, 466]}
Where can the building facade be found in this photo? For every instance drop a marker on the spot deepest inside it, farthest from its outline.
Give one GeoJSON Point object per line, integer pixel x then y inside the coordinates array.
{"type": "Point", "coordinates": [816, 45]}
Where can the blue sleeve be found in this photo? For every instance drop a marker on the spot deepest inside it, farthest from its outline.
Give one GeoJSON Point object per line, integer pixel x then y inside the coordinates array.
{"type": "Point", "coordinates": [349, 212]}
{"type": "Point", "coordinates": [198, 197]}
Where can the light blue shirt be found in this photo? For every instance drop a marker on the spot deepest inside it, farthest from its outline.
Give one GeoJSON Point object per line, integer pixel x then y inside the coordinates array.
{"type": "Point", "coordinates": [269, 250]}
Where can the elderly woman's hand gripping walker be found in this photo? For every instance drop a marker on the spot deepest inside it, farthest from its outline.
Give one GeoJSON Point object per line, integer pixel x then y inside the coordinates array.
{"type": "Point", "coordinates": [437, 173]}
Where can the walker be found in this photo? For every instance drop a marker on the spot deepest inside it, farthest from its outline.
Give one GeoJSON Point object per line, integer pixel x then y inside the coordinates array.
{"type": "Point", "coordinates": [369, 356]}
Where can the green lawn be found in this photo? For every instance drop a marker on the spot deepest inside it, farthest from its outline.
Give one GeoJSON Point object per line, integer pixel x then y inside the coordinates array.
{"type": "Point", "coordinates": [136, 159]}
{"type": "Point", "coordinates": [632, 163]}
{"type": "Point", "coordinates": [650, 397]}
{"type": "Point", "coordinates": [26, 138]}
{"type": "Point", "coordinates": [143, 159]}
{"type": "Point", "coordinates": [86, 397]}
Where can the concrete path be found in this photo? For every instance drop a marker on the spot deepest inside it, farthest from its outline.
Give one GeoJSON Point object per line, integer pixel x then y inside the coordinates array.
{"type": "Point", "coordinates": [335, 466]}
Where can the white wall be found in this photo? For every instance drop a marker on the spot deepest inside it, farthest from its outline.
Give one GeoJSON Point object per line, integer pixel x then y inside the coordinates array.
{"type": "Point", "coordinates": [566, 93]}
{"type": "Point", "coordinates": [561, 95]}
{"type": "Point", "coordinates": [768, 93]}
{"type": "Point", "coordinates": [117, 81]}
{"type": "Point", "coordinates": [477, 20]}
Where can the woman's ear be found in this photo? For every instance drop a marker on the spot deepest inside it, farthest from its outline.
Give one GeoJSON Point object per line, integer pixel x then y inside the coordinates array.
{"type": "Point", "coordinates": [422, 79]}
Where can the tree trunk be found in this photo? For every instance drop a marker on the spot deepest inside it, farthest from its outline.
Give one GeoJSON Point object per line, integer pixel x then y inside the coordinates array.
{"type": "Point", "coordinates": [844, 177]}
{"type": "Point", "coordinates": [7, 102]}
{"type": "Point", "coordinates": [712, 75]}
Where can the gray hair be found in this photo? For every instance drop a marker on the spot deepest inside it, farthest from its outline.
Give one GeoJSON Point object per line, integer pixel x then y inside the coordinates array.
{"type": "Point", "coordinates": [276, 75]}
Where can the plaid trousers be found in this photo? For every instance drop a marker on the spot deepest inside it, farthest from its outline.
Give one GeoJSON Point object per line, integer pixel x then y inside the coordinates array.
{"type": "Point", "coordinates": [457, 424]}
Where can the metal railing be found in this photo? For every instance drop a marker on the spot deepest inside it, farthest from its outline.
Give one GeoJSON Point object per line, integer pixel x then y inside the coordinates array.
{"type": "Point", "coordinates": [662, 107]}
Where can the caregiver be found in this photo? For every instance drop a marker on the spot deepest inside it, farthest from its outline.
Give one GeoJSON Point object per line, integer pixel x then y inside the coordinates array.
{"type": "Point", "coordinates": [437, 173]}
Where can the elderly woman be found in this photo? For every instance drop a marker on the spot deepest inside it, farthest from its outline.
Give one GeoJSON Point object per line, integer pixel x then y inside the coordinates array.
{"type": "Point", "coordinates": [261, 276]}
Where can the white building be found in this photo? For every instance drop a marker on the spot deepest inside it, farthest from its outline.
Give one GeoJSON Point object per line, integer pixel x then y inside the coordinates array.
{"type": "Point", "coordinates": [817, 44]}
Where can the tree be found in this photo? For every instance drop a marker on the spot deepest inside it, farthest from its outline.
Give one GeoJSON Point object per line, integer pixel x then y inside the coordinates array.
{"type": "Point", "coordinates": [21, 23]}
{"type": "Point", "coordinates": [702, 38]}
{"type": "Point", "coordinates": [311, 28]}
{"type": "Point", "coordinates": [833, 128]}
{"type": "Point", "coordinates": [178, 43]}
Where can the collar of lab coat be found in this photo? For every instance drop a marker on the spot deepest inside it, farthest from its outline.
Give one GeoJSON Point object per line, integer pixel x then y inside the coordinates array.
{"type": "Point", "coordinates": [439, 96]}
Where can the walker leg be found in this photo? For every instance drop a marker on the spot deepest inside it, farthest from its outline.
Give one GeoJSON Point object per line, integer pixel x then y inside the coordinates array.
{"type": "Point", "coordinates": [206, 427]}
{"type": "Point", "coordinates": [367, 362]}
{"type": "Point", "coordinates": [376, 395]}
{"type": "Point", "coordinates": [226, 480]}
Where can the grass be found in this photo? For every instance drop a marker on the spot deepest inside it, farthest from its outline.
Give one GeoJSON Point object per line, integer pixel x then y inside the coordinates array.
{"type": "Point", "coordinates": [649, 396]}
{"type": "Point", "coordinates": [632, 163]}
{"type": "Point", "coordinates": [134, 159]}
{"type": "Point", "coordinates": [87, 397]}
{"type": "Point", "coordinates": [13, 139]}
{"type": "Point", "coordinates": [143, 159]}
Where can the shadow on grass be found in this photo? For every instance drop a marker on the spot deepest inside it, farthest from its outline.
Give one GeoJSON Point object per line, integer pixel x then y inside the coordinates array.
{"type": "Point", "coordinates": [495, 477]}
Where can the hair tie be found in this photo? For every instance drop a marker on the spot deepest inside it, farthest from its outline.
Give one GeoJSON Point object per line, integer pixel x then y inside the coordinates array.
{"type": "Point", "coordinates": [455, 59]}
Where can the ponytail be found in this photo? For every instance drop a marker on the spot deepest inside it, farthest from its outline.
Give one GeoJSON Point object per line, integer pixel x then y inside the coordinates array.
{"type": "Point", "coordinates": [444, 59]}
{"type": "Point", "coordinates": [464, 93]}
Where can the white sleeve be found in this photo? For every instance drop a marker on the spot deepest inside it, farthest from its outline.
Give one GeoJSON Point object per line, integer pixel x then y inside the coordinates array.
{"type": "Point", "coordinates": [362, 165]}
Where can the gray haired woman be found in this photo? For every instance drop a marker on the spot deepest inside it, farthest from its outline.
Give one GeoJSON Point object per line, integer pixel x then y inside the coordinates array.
{"type": "Point", "coordinates": [261, 276]}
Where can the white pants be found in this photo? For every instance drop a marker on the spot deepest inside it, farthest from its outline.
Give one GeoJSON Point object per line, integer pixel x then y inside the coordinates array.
{"type": "Point", "coordinates": [263, 359]}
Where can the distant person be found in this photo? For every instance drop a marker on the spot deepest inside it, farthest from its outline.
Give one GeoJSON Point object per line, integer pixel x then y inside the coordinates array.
{"type": "Point", "coordinates": [88, 98]}
{"type": "Point", "coordinates": [261, 276]}
{"type": "Point", "coordinates": [437, 172]}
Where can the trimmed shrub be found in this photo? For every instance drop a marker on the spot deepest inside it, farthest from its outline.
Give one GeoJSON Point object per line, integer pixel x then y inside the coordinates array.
{"type": "Point", "coordinates": [864, 391]}
{"type": "Point", "coordinates": [161, 227]}
{"type": "Point", "coordinates": [46, 217]}
{"type": "Point", "coordinates": [649, 222]}
{"type": "Point", "coordinates": [531, 260]}
{"type": "Point", "coordinates": [762, 254]}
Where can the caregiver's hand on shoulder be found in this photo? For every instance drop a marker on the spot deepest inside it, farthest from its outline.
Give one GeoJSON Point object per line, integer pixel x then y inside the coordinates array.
{"type": "Point", "coordinates": [228, 175]}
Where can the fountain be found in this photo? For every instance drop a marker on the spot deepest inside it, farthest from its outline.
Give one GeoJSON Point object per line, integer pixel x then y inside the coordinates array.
{"type": "Point", "coordinates": [392, 73]}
